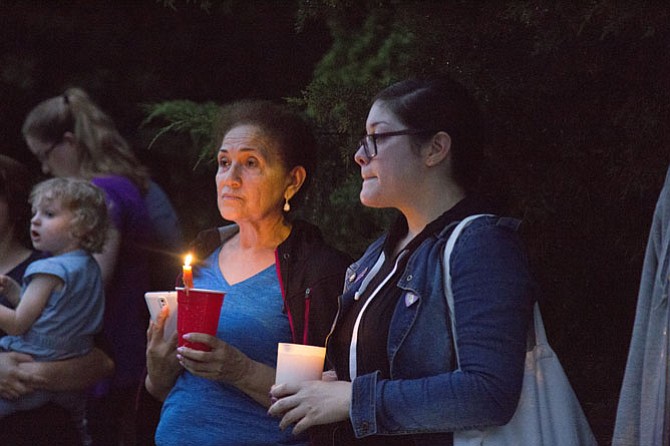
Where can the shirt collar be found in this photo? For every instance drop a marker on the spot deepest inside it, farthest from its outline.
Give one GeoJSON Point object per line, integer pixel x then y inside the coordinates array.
{"type": "Point", "coordinates": [469, 205]}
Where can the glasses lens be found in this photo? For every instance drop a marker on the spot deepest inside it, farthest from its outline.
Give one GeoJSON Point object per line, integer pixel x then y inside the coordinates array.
{"type": "Point", "coordinates": [363, 143]}
{"type": "Point", "coordinates": [369, 145]}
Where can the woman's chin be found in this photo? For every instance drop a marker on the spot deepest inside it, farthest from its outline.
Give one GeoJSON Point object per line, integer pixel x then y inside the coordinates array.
{"type": "Point", "coordinates": [370, 200]}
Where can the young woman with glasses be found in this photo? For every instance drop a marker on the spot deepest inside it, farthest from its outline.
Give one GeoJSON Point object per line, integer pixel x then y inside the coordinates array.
{"type": "Point", "coordinates": [394, 380]}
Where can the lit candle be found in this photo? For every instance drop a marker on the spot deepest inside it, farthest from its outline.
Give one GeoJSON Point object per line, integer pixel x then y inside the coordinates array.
{"type": "Point", "coordinates": [187, 272]}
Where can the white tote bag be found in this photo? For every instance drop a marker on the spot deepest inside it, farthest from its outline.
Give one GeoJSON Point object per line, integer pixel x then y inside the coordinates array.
{"type": "Point", "coordinates": [548, 413]}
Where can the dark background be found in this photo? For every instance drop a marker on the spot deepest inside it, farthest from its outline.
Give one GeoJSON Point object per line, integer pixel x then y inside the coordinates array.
{"type": "Point", "coordinates": [577, 94]}
{"type": "Point", "coordinates": [127, 54]}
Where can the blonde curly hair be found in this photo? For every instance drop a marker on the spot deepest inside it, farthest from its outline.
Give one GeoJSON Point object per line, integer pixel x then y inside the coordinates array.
{"type": "Point", "coordinates": [85, 200]}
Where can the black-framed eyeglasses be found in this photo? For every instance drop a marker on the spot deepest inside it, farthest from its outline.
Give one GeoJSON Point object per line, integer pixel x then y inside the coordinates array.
{"type": "Point", "coordinates": [44, 156]}
{"type": "Point", "coordinates": [369, 142]}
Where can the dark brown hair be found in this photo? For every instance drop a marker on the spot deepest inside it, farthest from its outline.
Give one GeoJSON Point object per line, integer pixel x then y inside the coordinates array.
{"type": "Point", "coordinates": [287, 128]}
{"type": "Point", "coordinates": [442, 104]}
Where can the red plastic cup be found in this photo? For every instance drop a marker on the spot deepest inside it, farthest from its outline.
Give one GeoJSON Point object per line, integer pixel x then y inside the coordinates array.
{"type": "Point", "coordinates": [199, 312]}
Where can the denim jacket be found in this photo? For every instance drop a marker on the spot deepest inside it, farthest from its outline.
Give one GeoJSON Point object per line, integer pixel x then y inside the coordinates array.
{"type": "Point", "coordinates": [492, 289]}
{"type": "Point", "coordinates": [644, 402]}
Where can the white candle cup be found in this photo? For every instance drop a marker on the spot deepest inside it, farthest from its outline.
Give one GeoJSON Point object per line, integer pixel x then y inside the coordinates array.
{"type": "Point", "coordinates": [297, 363]}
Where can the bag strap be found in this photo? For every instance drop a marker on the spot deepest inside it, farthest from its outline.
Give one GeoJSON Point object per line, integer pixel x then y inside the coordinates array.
{"type": "Point", "coordinates": [536, 337]}
{"type": "Point", "coordinates": [451, 241]}
{"type": "Point", "coordinates": [538, 325]}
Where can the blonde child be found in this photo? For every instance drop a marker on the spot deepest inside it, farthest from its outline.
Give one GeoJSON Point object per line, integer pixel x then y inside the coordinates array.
{"type": "Point", "coordinates": [60, 307]}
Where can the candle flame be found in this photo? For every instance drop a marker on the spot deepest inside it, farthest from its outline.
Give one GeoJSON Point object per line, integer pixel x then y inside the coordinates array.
{"type": "Point", "coordinates": [188, 259]}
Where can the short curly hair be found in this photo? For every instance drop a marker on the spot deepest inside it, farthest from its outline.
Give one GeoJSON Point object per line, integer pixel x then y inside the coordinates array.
{"type": "Point", "coordinates": [85, 200]}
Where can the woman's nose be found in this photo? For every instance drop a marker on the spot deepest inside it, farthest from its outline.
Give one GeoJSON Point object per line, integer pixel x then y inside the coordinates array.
{"type": "Point", "coordinates": [231, 176]}
{"type": "Point", "coordinates": [360, 157]}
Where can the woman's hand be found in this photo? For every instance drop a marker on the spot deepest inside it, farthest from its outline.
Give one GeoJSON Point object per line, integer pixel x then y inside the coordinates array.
{"type": "Point", "coordinates": [15, 382]}
{"type": "Point", "coordinates": [74, 374]}
{"type": "Point", "coordinates": [226, 363]}
{"type": "Point", "coordinates": [310, 403]}
{"type": "Point", "coordinates": [223, 363]}
{"type": "Point", "coordinates": [162, 364]}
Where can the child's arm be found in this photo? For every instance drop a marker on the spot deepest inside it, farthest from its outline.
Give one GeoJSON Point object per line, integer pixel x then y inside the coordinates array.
{"type": "Point", "coordinates": [33, 301]}
{"type": "Point", "coordinates": [10, 289]}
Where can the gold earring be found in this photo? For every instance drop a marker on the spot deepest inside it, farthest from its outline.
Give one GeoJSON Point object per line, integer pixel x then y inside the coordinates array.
{"type": "Point", "coordinates": [287, 206]}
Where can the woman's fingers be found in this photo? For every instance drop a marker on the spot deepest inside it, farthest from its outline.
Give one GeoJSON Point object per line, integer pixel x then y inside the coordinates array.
{"type": "Point", "coordinates": [202, 338]}
{"type": "Point", "coordinates": [162, 317]}
{"type": "Point", "coordinates": [329, 375]}
{"type": "Point", "coordinates": [283, 390]}
{"type": "Point", "coordinates": [200, 362]}
{"type": "Point", "coordinates": [155, 329]}
{"type": "Point", "coordinates": [286, 405]}
{"type": "Point", "coordinates": [311, 403]}
{"type": "Point", "coordinates": [14, 381]}
{"type": "Point", "coordinates": [222, 363]}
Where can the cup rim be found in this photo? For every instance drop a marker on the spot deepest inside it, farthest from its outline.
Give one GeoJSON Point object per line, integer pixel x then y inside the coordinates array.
{"type": "Point", "coordinates": [200, 290]}
{"type": "Point", "coordinates": [307, 346]}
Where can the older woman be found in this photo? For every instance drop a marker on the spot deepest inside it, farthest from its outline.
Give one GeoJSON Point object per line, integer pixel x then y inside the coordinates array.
{"type": "Point", "coordinates": [281, 283]}
{"type": "Point", "coordinates": [391, 347]}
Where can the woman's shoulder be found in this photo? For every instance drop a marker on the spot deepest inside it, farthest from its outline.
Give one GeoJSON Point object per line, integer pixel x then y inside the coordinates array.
{"type": "Point", "coordinates": [112, 181]}
{"type": "Point", "coordinates": [490, 234]}
{"type": "Point", "coordinates": [208, 240]}
{"type": "Point", "coordinates": [125, 201]}
{"type": "Point", "coordinates": [120, 189]}
{"type": "Point", "coordinates": [493, 222]}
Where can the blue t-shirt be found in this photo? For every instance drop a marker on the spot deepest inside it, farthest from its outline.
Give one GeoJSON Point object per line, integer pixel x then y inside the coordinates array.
{"type": "Point", "coordinates": [202, 412]}
{"type": "Point", "coordinates": [71, 316]}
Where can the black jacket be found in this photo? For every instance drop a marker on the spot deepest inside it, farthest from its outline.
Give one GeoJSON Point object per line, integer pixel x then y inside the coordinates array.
{"type": "Point", "coordinates": [311, 276]}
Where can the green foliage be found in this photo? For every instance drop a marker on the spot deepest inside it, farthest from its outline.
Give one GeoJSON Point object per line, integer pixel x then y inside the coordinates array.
{"type": "Point", "coordinates": [185, 117]}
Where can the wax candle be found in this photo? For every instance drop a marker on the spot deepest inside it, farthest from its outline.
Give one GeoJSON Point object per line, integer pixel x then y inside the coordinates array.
{"type": "Point", "coordinates": [297, 363]}
{"type": "Point", "coordinates": [187, 272]}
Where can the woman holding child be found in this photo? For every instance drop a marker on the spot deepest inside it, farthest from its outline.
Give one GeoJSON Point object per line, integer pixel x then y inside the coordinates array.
{"type": "Point", "coordinates": [72, 137]}
{"type": "Point", "coordinates": [58, 311]}
{"type": "Point", "coordinates": [21, 374]}
{"type": "Point", "coordinates": [281, 283]}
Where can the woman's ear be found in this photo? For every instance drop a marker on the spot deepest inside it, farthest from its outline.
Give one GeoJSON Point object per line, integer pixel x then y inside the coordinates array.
{"type": "Point", "coordinates": [438, 149]}
{"type": "Point", "coordinates": [297, 177]}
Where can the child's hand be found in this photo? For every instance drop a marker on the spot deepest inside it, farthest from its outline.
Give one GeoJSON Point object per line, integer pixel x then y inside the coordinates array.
{"type": "Point", "coordinates": [10, 288]}
{"type": "Point", "coordinates": [7, 284]}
